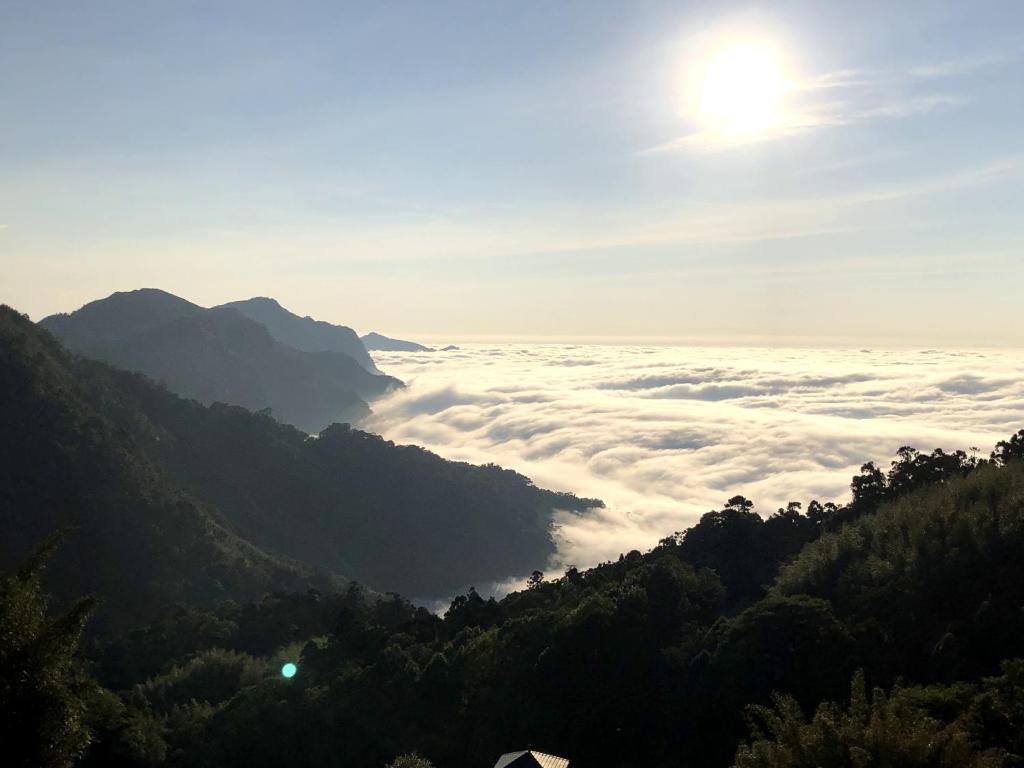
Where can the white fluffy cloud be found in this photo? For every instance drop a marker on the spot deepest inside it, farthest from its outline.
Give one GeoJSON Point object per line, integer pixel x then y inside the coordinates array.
{"type": "Point", "coordinates": [663, 434]}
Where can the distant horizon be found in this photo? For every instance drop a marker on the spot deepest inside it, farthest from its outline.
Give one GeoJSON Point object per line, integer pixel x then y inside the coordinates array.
{"type": "Point", "coordinates": [709, 339]}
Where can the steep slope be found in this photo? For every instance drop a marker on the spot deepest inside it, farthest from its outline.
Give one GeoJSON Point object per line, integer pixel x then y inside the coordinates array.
{"type": "Point", "coordinates": [220, 355]}
{"type": "Point", "coordinates": [134, 538]}
{"type": "Point", "coordinates": [375, 341]}
{"type": "Point", "coordinates": [394, 517]}
{"type": "Point", "coordinates": [304, 333]}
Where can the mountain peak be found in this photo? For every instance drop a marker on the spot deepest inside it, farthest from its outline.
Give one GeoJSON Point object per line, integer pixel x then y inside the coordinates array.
{"type": "Point", "coordinates": [377, 341]}
{"type": "Point", "coordinates": [304, 333]}
{"type": "Point", "coordinates": [265, 301]}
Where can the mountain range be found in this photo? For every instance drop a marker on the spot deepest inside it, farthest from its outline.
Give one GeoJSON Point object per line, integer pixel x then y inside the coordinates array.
{"type": "Point", "coordinates": [166, 499]}
{"type": "Point", "coordinates": [251, 353]}
{"type": "Point", "coordinates": [304, 333]}
{"type": "Point", "coordinates": [221, 544]}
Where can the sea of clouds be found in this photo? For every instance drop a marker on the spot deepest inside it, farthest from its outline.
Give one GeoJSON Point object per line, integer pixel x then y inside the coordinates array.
{"type": "Point", "coordinates": [663, 434]}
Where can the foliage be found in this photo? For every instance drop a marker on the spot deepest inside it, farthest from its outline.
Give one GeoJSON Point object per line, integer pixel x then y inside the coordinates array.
{"type": "Point", "coordinates": [651, 659]}
{"type": "Point", "coordinates": [961, 727]}
{"type": "Point", "coordinates": [410, 760]}
{"type": "Point", "coordinates": [931, 585]}
{"type": "Point", "coordinates": [743, 548]}
{"type": "Point", "coordinates": [41, 689]}
{"type": "Point", "coordinates": [70, 459]}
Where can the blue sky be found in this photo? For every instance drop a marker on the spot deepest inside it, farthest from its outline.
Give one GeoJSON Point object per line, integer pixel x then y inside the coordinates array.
{"type": "Point", "coordinates": [520, 169]}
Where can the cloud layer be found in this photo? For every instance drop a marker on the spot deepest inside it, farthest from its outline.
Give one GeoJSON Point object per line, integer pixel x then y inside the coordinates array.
{"type": "Point", "coordinates": [663, 434]}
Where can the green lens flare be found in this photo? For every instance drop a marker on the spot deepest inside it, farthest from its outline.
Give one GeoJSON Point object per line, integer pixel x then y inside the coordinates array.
{"type": "Point", "coordinates": [289, 670]}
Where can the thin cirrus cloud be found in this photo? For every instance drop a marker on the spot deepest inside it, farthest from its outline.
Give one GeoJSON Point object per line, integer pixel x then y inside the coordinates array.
{"type": "Point", "coordinates": [663, 434]}
{"type": "Point", "coordinates": [845, 97]}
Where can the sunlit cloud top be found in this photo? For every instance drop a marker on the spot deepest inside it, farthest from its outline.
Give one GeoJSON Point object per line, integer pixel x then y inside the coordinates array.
{"type": "Point", "coordinates": [663, 434]}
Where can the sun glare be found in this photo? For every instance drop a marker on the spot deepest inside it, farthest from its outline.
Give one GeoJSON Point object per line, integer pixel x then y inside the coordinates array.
{"type": "Point", "coordinates": [742, 90]}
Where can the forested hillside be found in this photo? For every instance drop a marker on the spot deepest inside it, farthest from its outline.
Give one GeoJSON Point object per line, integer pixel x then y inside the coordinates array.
{"type": "Point", "coordinates": [170, 500]}
{"type": "Point", "coordinates": [69, 462]}
{"type": "Point", "coordinates": [886, 633]}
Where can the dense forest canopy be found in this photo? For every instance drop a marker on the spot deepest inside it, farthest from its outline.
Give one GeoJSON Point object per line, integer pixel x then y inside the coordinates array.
{"type": "Point", "coordinates": [884, 631]}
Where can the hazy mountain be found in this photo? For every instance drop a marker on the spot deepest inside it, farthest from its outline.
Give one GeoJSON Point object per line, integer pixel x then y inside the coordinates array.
{"type": "Point", "coordinates": [374, 340]}
{"type": "Point", "coordinates": [119, 316]}
{"type": "Point", "coordinates": [220, 355]}
{"type": "Point", "coordinates": [69, 459]}
{"type": "Point", "coordinates": [169, 493]}
{"type": "Point", "coordinates": [304, 333]}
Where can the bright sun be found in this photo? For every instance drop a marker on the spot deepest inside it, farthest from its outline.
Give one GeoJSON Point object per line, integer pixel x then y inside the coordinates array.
{"type": "Point", "coordinates": [743, 91]}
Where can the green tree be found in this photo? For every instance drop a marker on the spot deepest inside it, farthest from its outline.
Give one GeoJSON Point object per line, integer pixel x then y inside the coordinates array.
{"type": "Point", "coordinates": [410, 760]}
{"type": "Point", "coordinates": [41, 689]}
{"type": "Point", "coordinates": [876, 731]}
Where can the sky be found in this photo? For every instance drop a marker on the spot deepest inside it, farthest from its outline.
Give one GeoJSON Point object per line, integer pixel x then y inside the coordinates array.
{"type": "Point", "coordinates": [529, 169]}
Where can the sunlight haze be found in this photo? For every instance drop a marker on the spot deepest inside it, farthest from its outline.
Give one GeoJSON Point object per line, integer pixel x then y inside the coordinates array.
{"type": "Point", "coordinates": [677, 170]}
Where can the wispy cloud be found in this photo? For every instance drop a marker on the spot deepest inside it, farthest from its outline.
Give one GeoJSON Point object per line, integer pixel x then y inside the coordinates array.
{"type": "Point", "coordinates": [711, 140]}
{"type": "Point", "coordinates": [867, 95]}
{"type": "Point", "coordinates": [919, 105]}
{"type": "Point", "coordinates": [963, 65]}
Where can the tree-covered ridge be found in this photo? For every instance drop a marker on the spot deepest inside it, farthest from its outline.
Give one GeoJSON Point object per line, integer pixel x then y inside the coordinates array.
{"type": "Point", "coordinates": [966, 725]}
{"type": "Point", "coordinates": [134, 537]}
{"type": "Point", "coordinates": [175, 501]}
{"type": "Point", "coordinates": [928, 579]}
{"type": "Point", "coordinates": [395, 517]}
{"type": "Point", "coordinates": [648, 660]}
{"type": "Point", "coordinates": [223, 355]}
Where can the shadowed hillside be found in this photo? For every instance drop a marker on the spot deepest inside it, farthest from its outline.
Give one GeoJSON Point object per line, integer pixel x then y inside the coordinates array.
{"type": "Point", "coordinates": [131, 464]}
{"type": "Point", "coordinates": [69, 462]}
{"type": "Point", "coordinates": [888, 640]}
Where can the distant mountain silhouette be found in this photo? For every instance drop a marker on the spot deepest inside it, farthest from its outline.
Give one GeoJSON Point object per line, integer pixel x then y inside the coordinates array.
{"type": "Point", "coordinates": [376, 341]}
{"type": "Point", "coordinates": [172, 501]}
{"type": "Point", "coordinates": [221, 355]}
{"type": "Point", "coordinates": [304, 333]}
{"type": "Point", "coordinates": [119, 316]}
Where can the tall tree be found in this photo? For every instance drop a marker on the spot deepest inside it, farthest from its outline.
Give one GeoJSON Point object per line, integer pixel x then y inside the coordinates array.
{"type": "Point", "coordinates": [41, 690]}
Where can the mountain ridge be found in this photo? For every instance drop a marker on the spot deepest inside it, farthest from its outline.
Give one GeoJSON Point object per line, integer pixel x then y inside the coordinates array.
{"type": "Point", "coordinates": [221, 355]}
{"type": "Point", "coordinates": [304, 333]}
{"type": "Point", "coordinates": [302, 510]}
